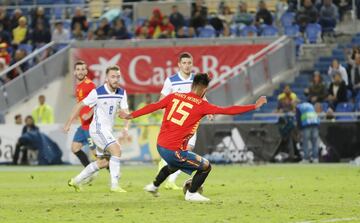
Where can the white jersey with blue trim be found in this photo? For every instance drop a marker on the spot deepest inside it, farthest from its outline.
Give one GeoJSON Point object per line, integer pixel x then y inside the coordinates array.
{"type": "Point", "coordinates": [106, 105]}
{"type": "Point", "coordinates": [176, 83]}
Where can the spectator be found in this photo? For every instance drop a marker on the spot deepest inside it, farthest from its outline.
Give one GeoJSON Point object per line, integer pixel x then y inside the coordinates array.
{"type": "Point", "coordinates": [103, 31]}
{"type": "Point", "coordinates": [19, 55]}
{"type": "Point", "coordinates": [263, 15]}
{"type": "Point", "coordinates": [282, 6]}
{"type": "Point", "coordinates": [78, 33]}
{"type": "Point", "coordinates": [119, 31]}
{"type": "Point", "coordinates": [351, 57]}
{"type": "Point", "coordinates": [156, 19]}
{"type": "Point", "coordinates": [4, 20]}
{"type": "Point", "coordinates": [354, 80]}
{"type": "Point", "coordinates": [243, 17]}
{"type": "Point", "coordinates": [29, 126]}
{"type": "Point", "coordinates": [80, 18]}
{"type": "Point", "coordinates": [308, 122]}
{"type": "Point", "coordinates": [43, 114]}
{"type": "Point", "coordinates": [336, 67]}
{"type": "Point", "coordinates": [215, 23]}
{"type": "Point", "coordinates": [145, 31]}
{"type": "Point", "coordinates": [60, 34]}
{"type": "Point", "coordinates": [21, 32]}
{"type": "Point", "coordinates": [307, 14]}
{"type": "Point", "coordinates": [165, 30]}
{"type": "Point", "coordinates": [197, 21]}
{"type": "Point", "coordinates": [5, 36]}
{"type": "Point", "coordinates": [4, 53]}
{"type": "Point", "coordinates": [18, 119]}
{"type": "Point", "coordinates": [328, 14]}
{"type": "Point", "coordinates": [199, 7]}
{"type": "Point", "coordinates": [287, 100]}
{"type": "Point", "coordinates": [176, 18]}
{"type": "Point", "coordinates": [317, 90]}
{"type": "Point", "coordinates": [226, 15]}
{"type": "Point", "coordinates": [40, 35]}
{"type": "Point", "coordinates": [14, 21]}
{"type": "Point", "coordinates": [343, 6]}
{"type": "Point", "coordinates": [337, 91]}
{"type": "Point", "coordinates": [39, 17]}
{"type": "Point", "coordinates": [3, 67]}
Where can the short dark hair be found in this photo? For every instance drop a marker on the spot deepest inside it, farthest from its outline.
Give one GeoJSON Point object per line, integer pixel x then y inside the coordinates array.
{"type": "Point", "coordinates": [79, 62]}
{"type": "Point", "coordinates": [184, 55]}
{"type": "Point", "coordinates": [201, 79]}
{"type": "Point", "coordinates": [17, 116]}
{"type": "Point", "coordinates": [115, 68]}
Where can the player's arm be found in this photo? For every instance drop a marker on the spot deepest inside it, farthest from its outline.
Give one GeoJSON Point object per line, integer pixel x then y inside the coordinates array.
{"type": "Point", "coordinates": [74, 114]}
{"type": "Point", "coordinates": [147, 109]}
{"type": "Point", "coordinates": [210, 117]}
{"type": "Point", "coordinates": [234, 110]}
{"type": "Point", "coordinates": [90, 100]}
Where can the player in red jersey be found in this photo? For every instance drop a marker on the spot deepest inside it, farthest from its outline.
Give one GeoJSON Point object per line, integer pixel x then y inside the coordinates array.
{"type": "Point", "coordinates": [183, 112]}
{"type": "Point", "coordinates": [83, 87]}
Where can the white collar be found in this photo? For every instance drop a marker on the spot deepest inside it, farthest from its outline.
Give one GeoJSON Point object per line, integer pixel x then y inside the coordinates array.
{"type": "Point", "coordinates": [108, 90]}
{"type": "Point", "coordinates": [182, 78]}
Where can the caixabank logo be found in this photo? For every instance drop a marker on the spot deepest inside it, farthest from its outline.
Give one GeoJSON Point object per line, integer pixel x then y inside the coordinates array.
{"type": "Point", "coordinates": [6, 150]}
{"type": "Point", "coordinates": [144, 70]}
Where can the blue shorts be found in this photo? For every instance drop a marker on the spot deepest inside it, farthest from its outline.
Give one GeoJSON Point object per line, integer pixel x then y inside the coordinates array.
{"type": "Point", "coordinates": [82, 136]}
{"type": "Point", "coordinates": [186, 161]}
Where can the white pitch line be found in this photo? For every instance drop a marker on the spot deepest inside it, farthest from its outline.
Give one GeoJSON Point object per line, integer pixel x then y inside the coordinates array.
{"type": "Point", "coordinates": [330, 220]}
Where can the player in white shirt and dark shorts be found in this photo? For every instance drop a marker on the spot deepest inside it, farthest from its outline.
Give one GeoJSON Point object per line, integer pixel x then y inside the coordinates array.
{"type": "Point", "coordinates": [107, 100]}
{"type": "Point", "coordinates": [181, 83]}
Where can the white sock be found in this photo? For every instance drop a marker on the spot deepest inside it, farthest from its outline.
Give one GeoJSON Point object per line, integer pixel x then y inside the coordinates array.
{"type": "Point", "coordinates": [172, 177]}
{"type": "Point", "coordinates": [86, 172]}
{"type": "Point", "coordinates": [114, 170]}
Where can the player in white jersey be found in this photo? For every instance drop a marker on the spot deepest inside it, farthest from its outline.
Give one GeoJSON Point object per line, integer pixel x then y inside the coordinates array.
{"type": "Point", "coordinates": [107, 100]}
{"type": "Point", "coordinates": [181, 83]}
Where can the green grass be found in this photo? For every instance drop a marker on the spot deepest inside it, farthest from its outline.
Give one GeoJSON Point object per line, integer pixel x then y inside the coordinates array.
{"type": "Point", "coordinates": [268, 193]}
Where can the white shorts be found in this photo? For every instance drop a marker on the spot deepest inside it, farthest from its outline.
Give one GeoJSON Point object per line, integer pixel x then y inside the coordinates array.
{"type": "Point", "coordinates": [192, 140]}
{"type": "Point", "coordinates": [102, 139]}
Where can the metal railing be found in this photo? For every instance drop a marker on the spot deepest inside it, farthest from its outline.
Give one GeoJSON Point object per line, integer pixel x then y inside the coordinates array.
{"type": "Point", "coordinates": [26, 84]}
{"type": "Point", "coordinates": [257, 71]}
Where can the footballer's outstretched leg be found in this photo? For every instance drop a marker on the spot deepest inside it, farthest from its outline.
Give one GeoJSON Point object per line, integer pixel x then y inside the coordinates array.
{"type": "Point", "coordinates": [199, 178]}
{"type": "Point", "coordinates": [160, 178]}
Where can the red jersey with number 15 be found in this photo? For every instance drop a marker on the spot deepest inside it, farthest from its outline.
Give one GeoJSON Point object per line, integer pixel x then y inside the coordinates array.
{"type": "Point", "coordinates": [82, 90]}
{"type": "Point", "coordinates": [183, 113]}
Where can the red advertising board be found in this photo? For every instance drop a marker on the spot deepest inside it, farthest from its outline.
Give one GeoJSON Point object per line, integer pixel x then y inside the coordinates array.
{"type": "Point", "coordinates": [144, 70]}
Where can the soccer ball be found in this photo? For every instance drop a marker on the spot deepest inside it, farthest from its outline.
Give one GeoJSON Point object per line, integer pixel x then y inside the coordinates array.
{"type": "Point", "coordinates": [187, 185]}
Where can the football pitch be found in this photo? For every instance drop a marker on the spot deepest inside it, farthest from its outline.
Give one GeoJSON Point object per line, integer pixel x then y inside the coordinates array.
{"type": "Point", "coordinates": [265, 193]}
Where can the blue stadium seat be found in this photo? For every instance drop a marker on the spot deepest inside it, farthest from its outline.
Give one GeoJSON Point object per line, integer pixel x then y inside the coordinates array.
{"type": "Point", "coordinates": [44, 2]}
{"type": "Point", "coordinates": [325, 106]}
{"type": "Point", "coordinates": [67, 24]}
{"type": "Point", "coordinates": [248, 30]}
{"type": "Point", "coordinates": [287, 19]}
{"type": "Point", "coordinates": [270, 119]}
{"type": "Point", "coordinates": [234, 30]}
{"type": "Point", "coordinates": [206, 32]}
{"type": "Point", "coordinates": [345, 107]}
{"type": "Point", "coordinates": [292, 31]}
{"type": "Point", "coordinates": [269, 31]}
{"type": "Point", "coordinates": [27, 47]}
{"type": "Point", "coordinates": [313, 31]}
{"type": "Point", "coordinates": [128, 22]}
{"type": "Point", "coordinates": [140, 21]}
{"type": "Point", "coordinates": [58, 13]}
{"type": "Point", "coordinates": [77, 2]}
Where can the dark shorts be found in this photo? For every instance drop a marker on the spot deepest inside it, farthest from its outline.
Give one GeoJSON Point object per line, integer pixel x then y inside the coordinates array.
{"type": "Point", "coordinates": [186, 161]}
{"type": "Point", "coordinates": [82, 136]}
